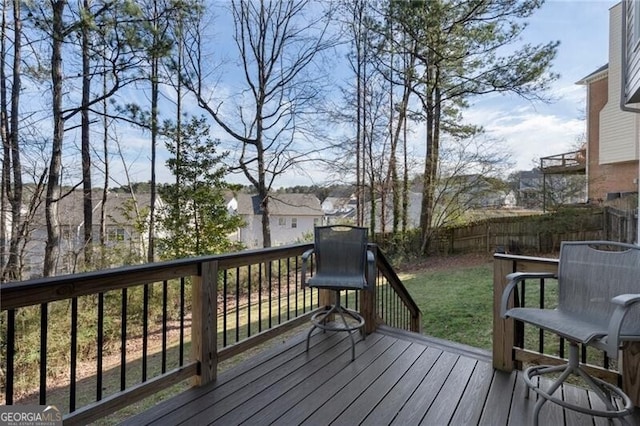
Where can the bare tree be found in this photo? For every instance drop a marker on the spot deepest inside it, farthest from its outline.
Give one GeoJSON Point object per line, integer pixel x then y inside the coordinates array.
{"type": "Point", "coordinates": [278, 42]}
{"type": "Point", "coordinates": [9, 123]}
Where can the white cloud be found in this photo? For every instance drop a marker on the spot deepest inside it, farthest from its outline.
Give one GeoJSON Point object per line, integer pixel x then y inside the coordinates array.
{"type": "Point", "coordinates": [529, 134]}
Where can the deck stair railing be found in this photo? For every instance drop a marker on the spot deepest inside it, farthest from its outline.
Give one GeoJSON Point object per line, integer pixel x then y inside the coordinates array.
{"type": "Point", "coordinates": [96, 342]}
{"type": "Point", "coordinates": [515, 345]}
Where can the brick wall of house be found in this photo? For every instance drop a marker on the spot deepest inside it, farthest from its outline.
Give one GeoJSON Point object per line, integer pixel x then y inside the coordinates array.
{"type": "Point", "coordinates": [604, 178]}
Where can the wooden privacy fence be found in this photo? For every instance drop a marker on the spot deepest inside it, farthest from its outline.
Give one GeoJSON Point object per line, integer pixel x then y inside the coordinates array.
{"type": "Point", "coordinates": [538, 233]}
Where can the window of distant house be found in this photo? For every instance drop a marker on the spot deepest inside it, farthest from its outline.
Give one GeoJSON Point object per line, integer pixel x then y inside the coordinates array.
{"type": "Point", "coordinates": [115, 234]}
{"type": "Point", "coordinates": [282, 221]}
{"type": "Point", "coordinates": [294, 222]}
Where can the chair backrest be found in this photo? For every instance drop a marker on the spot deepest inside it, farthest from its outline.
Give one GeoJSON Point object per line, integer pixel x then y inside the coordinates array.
{"type": "Point", "coordinates": [591, 273]}
{"type": "Point", "coordinates": [341, 250]}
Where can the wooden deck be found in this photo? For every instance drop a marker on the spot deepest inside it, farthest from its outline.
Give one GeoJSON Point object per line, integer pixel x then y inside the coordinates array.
{"type": "Point", "coordinates": [397, 378]}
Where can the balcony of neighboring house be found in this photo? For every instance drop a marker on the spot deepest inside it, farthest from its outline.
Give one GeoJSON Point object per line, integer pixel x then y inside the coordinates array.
{"type": "Point", "coordinates": [574, 162]}
{"type": "Point", "coordinates": [564, 167]}
{"type": "Point", "coordinates": [183, 336]}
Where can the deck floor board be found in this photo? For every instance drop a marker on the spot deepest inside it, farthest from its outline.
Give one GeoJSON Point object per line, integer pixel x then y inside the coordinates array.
{"type": "Point", "coordinates": [396, 378]}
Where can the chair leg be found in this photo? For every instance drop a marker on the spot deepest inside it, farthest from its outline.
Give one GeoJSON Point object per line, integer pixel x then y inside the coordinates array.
{"type": "Point", "coordinates": [320, 319]}
{"type": "Point", "coordinates": [346, 324]}
{"type": "Point", "coordinates": [541, 401]}
{"type": "Point", "coordinates": [605, 391]}
{"type": "Point", "coordinates": [309, 337]}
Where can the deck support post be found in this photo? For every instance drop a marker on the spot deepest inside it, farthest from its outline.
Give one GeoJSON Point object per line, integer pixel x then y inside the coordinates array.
{"type": "Point", "coordinates": [204, 326]}
{"type": "Point", "coordinates": [368, 307]}
{"type": "Point", "coordinates": [326, 298]}
{"type": "Point", "coordinates": [630, 371]}
{"type": "Point", "coordinates": [503, 329]}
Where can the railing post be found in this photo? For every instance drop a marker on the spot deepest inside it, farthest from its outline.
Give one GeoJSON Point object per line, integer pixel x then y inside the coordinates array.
{"type": "Point", "coordinates": [326, 297]}
{"type": "Point", "coordinates": [368, 308]}
{"type": "Point", "coordinates": [204, 326]}
{"type": "Point", "coordinates": [503, 329]}
{"type": "Point", "coordinates": [416, 323]}
{"type": "Point", "coordinates": [631, 371]}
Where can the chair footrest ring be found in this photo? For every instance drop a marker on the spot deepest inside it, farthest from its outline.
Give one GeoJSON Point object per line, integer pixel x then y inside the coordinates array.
{"type": "Point", "coordinates": [539, 370]}
{"type": "Point", "coordinates": [318, 320]}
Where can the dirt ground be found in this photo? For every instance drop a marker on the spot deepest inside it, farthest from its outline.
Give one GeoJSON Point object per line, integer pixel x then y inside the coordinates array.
{"type": "Point", "coordinates": [439, 263]}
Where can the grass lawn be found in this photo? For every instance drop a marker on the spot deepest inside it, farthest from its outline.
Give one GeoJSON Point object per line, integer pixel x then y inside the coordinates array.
{"type": "Point", "coordinates": [456, 303]}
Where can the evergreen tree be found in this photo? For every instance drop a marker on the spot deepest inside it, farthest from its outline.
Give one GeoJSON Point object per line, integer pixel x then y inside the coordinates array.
{"type": "Point", "coordinates": [466, 50]}
{"type": "Point", "coordinates": [194, 219]}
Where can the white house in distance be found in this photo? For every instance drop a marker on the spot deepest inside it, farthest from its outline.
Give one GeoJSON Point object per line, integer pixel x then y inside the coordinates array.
{"type": "Point", "coordinates": [291, 216]}
{"type": "Point", "coordinates": [126, 242]}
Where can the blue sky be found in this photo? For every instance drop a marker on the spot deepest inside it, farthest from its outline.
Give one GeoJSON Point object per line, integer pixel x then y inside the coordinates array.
{"type": "Point", "coordinates": [533, 130]}
{"type": "Point", "coordinates": [528, 130]}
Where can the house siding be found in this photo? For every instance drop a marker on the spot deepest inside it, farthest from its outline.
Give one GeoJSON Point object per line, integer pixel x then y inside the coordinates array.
{"type": "Point", "coordinates": [618, 129]}
{"type": "Point", "coordinates": [603, 179]}
{"type": "Point", "coordinates": [632, 91]}
{"type": "Point", "coordinates": [304, 208]}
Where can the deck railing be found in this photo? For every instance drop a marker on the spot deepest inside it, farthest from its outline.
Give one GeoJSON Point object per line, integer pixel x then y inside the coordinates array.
{"type": "Point", "coordinates": [97, 342]}
{"type": "Point", "coordinates": [516, 344]}
{"type": "Point", "coordinates": [564, 163]}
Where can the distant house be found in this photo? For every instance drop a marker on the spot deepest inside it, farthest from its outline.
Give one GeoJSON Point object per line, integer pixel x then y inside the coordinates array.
{"type": "Point", "coordinates": [413, 212]}
{"type": "Point", "coordinates": [291, 218]}
{"type": "Point", "coordinates": [473, 191]}
{"type": "Point", "coordinates": [613, 135]}
{"type": "Point", "coordinates": [121, 232]}
{"type": "Point", "coordinates": [530, 189]}
{"type": "Point", "coordinates": [469, 191]}
{"type": "Point", "coordinates": [537, 191]}
{"type": "Point", "coordinates": [339, 210]}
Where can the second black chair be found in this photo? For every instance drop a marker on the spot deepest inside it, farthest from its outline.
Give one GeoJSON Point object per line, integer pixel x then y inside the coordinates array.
{"type": "Point", "coordinates": [341, 261]}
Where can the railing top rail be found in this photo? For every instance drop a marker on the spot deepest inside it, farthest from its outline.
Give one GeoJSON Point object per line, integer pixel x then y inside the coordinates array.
{"type": "Point", "coordinates": [42, 290]}
{"type": "Point", "coordinates": [528, 259]}
{"type": "Point", "coordinates": [564, 155]}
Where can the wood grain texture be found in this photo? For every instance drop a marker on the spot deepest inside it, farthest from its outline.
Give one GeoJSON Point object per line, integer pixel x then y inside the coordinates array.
{"type": "Point", "coordinates": [394, 380]}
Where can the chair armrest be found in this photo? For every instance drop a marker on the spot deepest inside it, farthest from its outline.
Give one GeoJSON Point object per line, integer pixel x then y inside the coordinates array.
{"type": "Point", "coordinates": [626, 299]}
{"type": "Point", "coordinates": [623, 302]}
{"type": "Point", "coordinates": [519, 276]}
{"type": "Point", "coordinates": [306, 254]}
{"type": "Point", "coordinates": [371, 268]}
{"type": "Point", "coordinates": [303, 273]}
{"type": "Point", "coordinates": [514, 278]}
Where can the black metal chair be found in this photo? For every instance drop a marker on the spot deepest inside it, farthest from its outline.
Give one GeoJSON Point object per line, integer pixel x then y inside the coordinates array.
{"type": "Point", "coordinates": [598, 305]}
{"type": "Point", "coordinates": [341, 262]}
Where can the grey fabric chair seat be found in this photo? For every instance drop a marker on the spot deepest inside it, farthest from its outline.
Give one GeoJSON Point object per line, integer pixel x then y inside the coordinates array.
{"type": "Point", "coordinates": [336, 281]}
{"type": "Point", "coordinates": [563, 324]}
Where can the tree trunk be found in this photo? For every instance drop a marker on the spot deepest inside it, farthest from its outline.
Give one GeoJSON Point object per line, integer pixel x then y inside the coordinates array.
{"type": "Point", "coordinates": [431, 167]}
{"type": "Point", "coordinates": [85, 143]}
{"type": "Point", "coordinates": [14, 191]}
{"type": "Point", "coordinates": [155, 62]}
{"type": "Point", "coordinates": [53, 184]}
{"type": "Point", "coordinates": [266, 225]}
{"type": "Point", "coordinates": [4, 136]}
{"type": "Point", "coordinates": [105, 186]}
